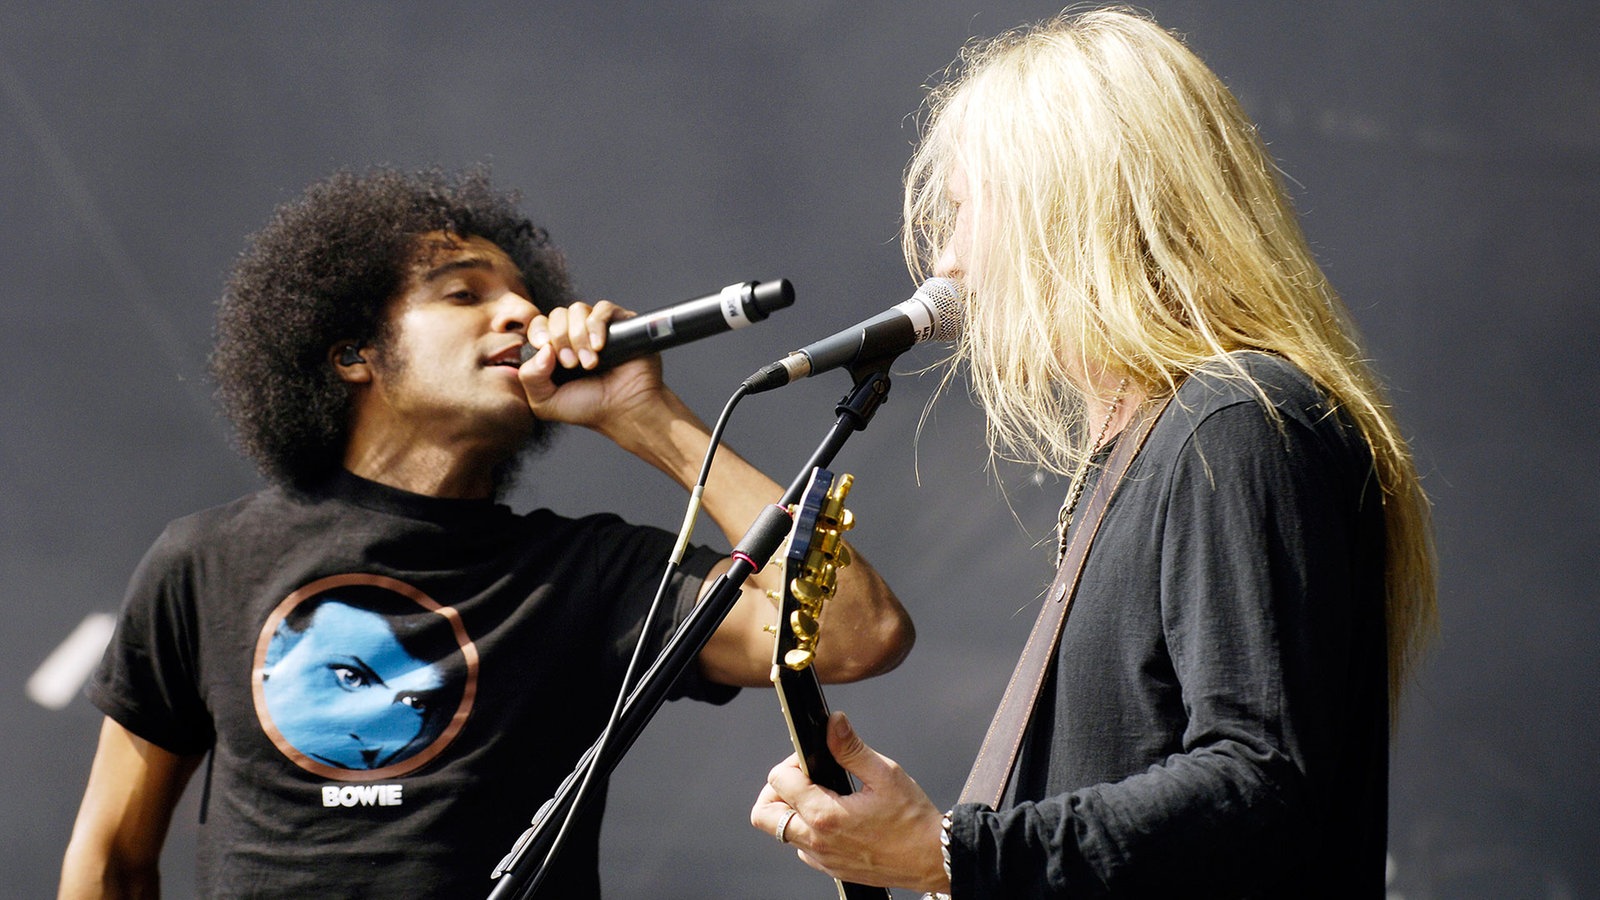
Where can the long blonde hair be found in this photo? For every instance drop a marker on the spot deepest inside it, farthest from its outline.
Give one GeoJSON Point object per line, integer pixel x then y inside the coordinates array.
{"type": "Point", "coordinates": [1132, 224]}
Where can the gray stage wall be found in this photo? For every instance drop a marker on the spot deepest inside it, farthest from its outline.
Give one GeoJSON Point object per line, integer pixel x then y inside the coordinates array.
{"type": "Point", "coordinates": [1444, 157]}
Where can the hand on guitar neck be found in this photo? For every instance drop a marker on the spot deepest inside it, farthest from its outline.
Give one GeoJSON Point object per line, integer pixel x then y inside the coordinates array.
{"type": "Point", "coordinates": [882, 834]}
{"type": "Point", "coordinates": [885, 833]}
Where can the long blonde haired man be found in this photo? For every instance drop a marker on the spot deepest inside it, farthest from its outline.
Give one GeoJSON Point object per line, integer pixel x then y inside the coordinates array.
{"type": "Point", "coordinates": [1217, 718]}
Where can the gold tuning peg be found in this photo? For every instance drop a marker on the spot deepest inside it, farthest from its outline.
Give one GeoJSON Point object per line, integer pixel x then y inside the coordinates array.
{"type": "Point", "coordinates": [807, 591]}
{"type": "Point", "coordinates": [804, 625]}
{"type": "Point", "coordinates": [798, 659]}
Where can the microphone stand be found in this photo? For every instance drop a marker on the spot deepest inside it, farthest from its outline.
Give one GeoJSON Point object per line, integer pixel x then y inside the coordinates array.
{"type": "Point", "coordinates": [514, 881]}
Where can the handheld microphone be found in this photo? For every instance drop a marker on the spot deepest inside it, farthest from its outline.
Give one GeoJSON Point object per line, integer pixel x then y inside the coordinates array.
{"type": "Point", "coordinates": [932, 314]}
{"type": "Point", "coordinates": [735, 306]}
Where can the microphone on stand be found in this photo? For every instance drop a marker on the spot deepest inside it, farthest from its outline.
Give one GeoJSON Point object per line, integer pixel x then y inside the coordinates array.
{"type": "Point", "coordinates": [735, 306]}
{"type": "Point", "coordinates": [932, 314]}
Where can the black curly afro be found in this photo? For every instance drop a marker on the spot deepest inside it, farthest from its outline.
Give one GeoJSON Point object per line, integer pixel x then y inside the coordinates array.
{"type": "Point", "coordinates": [323, 270]}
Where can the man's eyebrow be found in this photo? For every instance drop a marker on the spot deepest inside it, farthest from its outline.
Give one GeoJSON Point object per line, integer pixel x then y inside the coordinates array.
{"type": "Point", "coordinates": [456, 265]}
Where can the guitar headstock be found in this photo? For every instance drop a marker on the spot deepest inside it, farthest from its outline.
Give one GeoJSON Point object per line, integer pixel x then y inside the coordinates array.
{"type": "Point", "coordinates": [817, 552]}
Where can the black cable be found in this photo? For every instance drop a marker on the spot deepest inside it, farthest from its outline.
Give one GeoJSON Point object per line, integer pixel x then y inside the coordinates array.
{"type": "Point", "coordinates": [597, 750]}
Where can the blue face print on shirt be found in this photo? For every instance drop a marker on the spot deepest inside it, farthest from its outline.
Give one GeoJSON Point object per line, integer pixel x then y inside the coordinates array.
{"type": "Point", "coordinates": [343, 690]}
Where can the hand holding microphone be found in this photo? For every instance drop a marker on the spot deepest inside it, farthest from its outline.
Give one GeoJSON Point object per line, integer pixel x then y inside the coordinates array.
{"type": "Point", "coordinates": [735, 306]}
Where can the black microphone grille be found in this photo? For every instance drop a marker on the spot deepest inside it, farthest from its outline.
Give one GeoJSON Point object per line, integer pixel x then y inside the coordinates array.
{"type": "Point", "coordinates": [948, 298]}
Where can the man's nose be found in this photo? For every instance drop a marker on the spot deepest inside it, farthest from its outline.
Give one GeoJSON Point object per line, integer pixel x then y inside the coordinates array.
{"type": "Point", "coordinates": [948, 265]}
{"type": "Point", "coordinates": [513, 312]}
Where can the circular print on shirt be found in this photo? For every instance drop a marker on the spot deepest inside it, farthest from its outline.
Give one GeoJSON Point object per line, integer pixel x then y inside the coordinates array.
{"type": "Point", "coordinates": [362, 677]}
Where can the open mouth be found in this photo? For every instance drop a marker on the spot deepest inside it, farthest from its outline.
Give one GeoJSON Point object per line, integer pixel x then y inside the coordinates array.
{"type": "Point", "coordinates": [511, 357]}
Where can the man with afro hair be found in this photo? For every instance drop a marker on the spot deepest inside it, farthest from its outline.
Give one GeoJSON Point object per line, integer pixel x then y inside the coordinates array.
{"type": "Point", "coordinates": [388, 668]}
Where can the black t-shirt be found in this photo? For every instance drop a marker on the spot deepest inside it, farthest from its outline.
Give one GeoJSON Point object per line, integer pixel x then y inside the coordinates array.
{"type": "Point", "coordinates": [1216, 721]}
{"type": "Point", "coordinates": [390, 684]}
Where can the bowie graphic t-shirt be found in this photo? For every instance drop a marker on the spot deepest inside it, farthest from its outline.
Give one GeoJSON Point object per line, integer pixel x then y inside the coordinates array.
{"type": "Point", "coordinates": [389, 684]}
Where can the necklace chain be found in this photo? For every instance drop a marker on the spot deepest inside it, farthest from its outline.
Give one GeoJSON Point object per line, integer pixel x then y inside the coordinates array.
{"type": "Point", "coordinates": [1075, 492]}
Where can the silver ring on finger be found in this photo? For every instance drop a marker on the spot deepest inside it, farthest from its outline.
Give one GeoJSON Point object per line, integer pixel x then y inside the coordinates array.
{"type": "Point", "coordinates": [781, 832]}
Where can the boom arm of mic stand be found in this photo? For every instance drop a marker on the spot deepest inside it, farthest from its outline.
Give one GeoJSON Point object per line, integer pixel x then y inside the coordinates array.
{"type": "Point", "coordinates": [759, 543]}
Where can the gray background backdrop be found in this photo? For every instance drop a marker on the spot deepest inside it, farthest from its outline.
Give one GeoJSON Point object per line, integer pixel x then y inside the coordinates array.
{"type": "Point", "coordinates": [1444, 157]}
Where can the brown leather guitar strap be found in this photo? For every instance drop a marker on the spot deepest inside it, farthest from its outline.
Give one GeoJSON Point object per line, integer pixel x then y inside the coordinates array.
{"type": "Point", "coordinates": [992, 770]}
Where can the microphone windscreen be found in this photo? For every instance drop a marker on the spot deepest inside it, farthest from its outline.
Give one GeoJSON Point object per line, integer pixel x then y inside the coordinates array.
{"type": "Point", "coordinates": [947, 298]}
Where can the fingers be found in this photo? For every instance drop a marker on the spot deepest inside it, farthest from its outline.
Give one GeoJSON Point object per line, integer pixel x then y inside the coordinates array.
{"type": "Point", "coordinates": [564, 332]}
{"type": "Point", "coordinates": [787, 784]}
{"type": "Point", "coordinates": [869, 766]}
{"type": "Point", "coordinates": [784, 823]}
{"type": "Point", "coordinates": [887, 833]}
{"type": "Point", "coordinates": [535, 374]}
{"type": "Point", "coordinates": [575, 333]}
{"type": "Point", "coordinates": [770, 813]}
{"type": "Point", "coordinates": [845, 744]}
{"type": "Point", "coordinates": [788, 790]}
{"type": "Point", "coordinates": [581, 338]}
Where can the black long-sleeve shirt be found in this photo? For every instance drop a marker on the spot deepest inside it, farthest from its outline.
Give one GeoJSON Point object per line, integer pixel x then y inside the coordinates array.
{"type": "Point", "coordinates": [1216, 724]}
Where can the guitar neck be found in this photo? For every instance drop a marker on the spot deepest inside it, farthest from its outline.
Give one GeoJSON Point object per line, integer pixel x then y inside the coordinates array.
{"type": "Point", "coordinates": [815, 554]}
{"type": "Point", "coordinates": [806, 712]}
